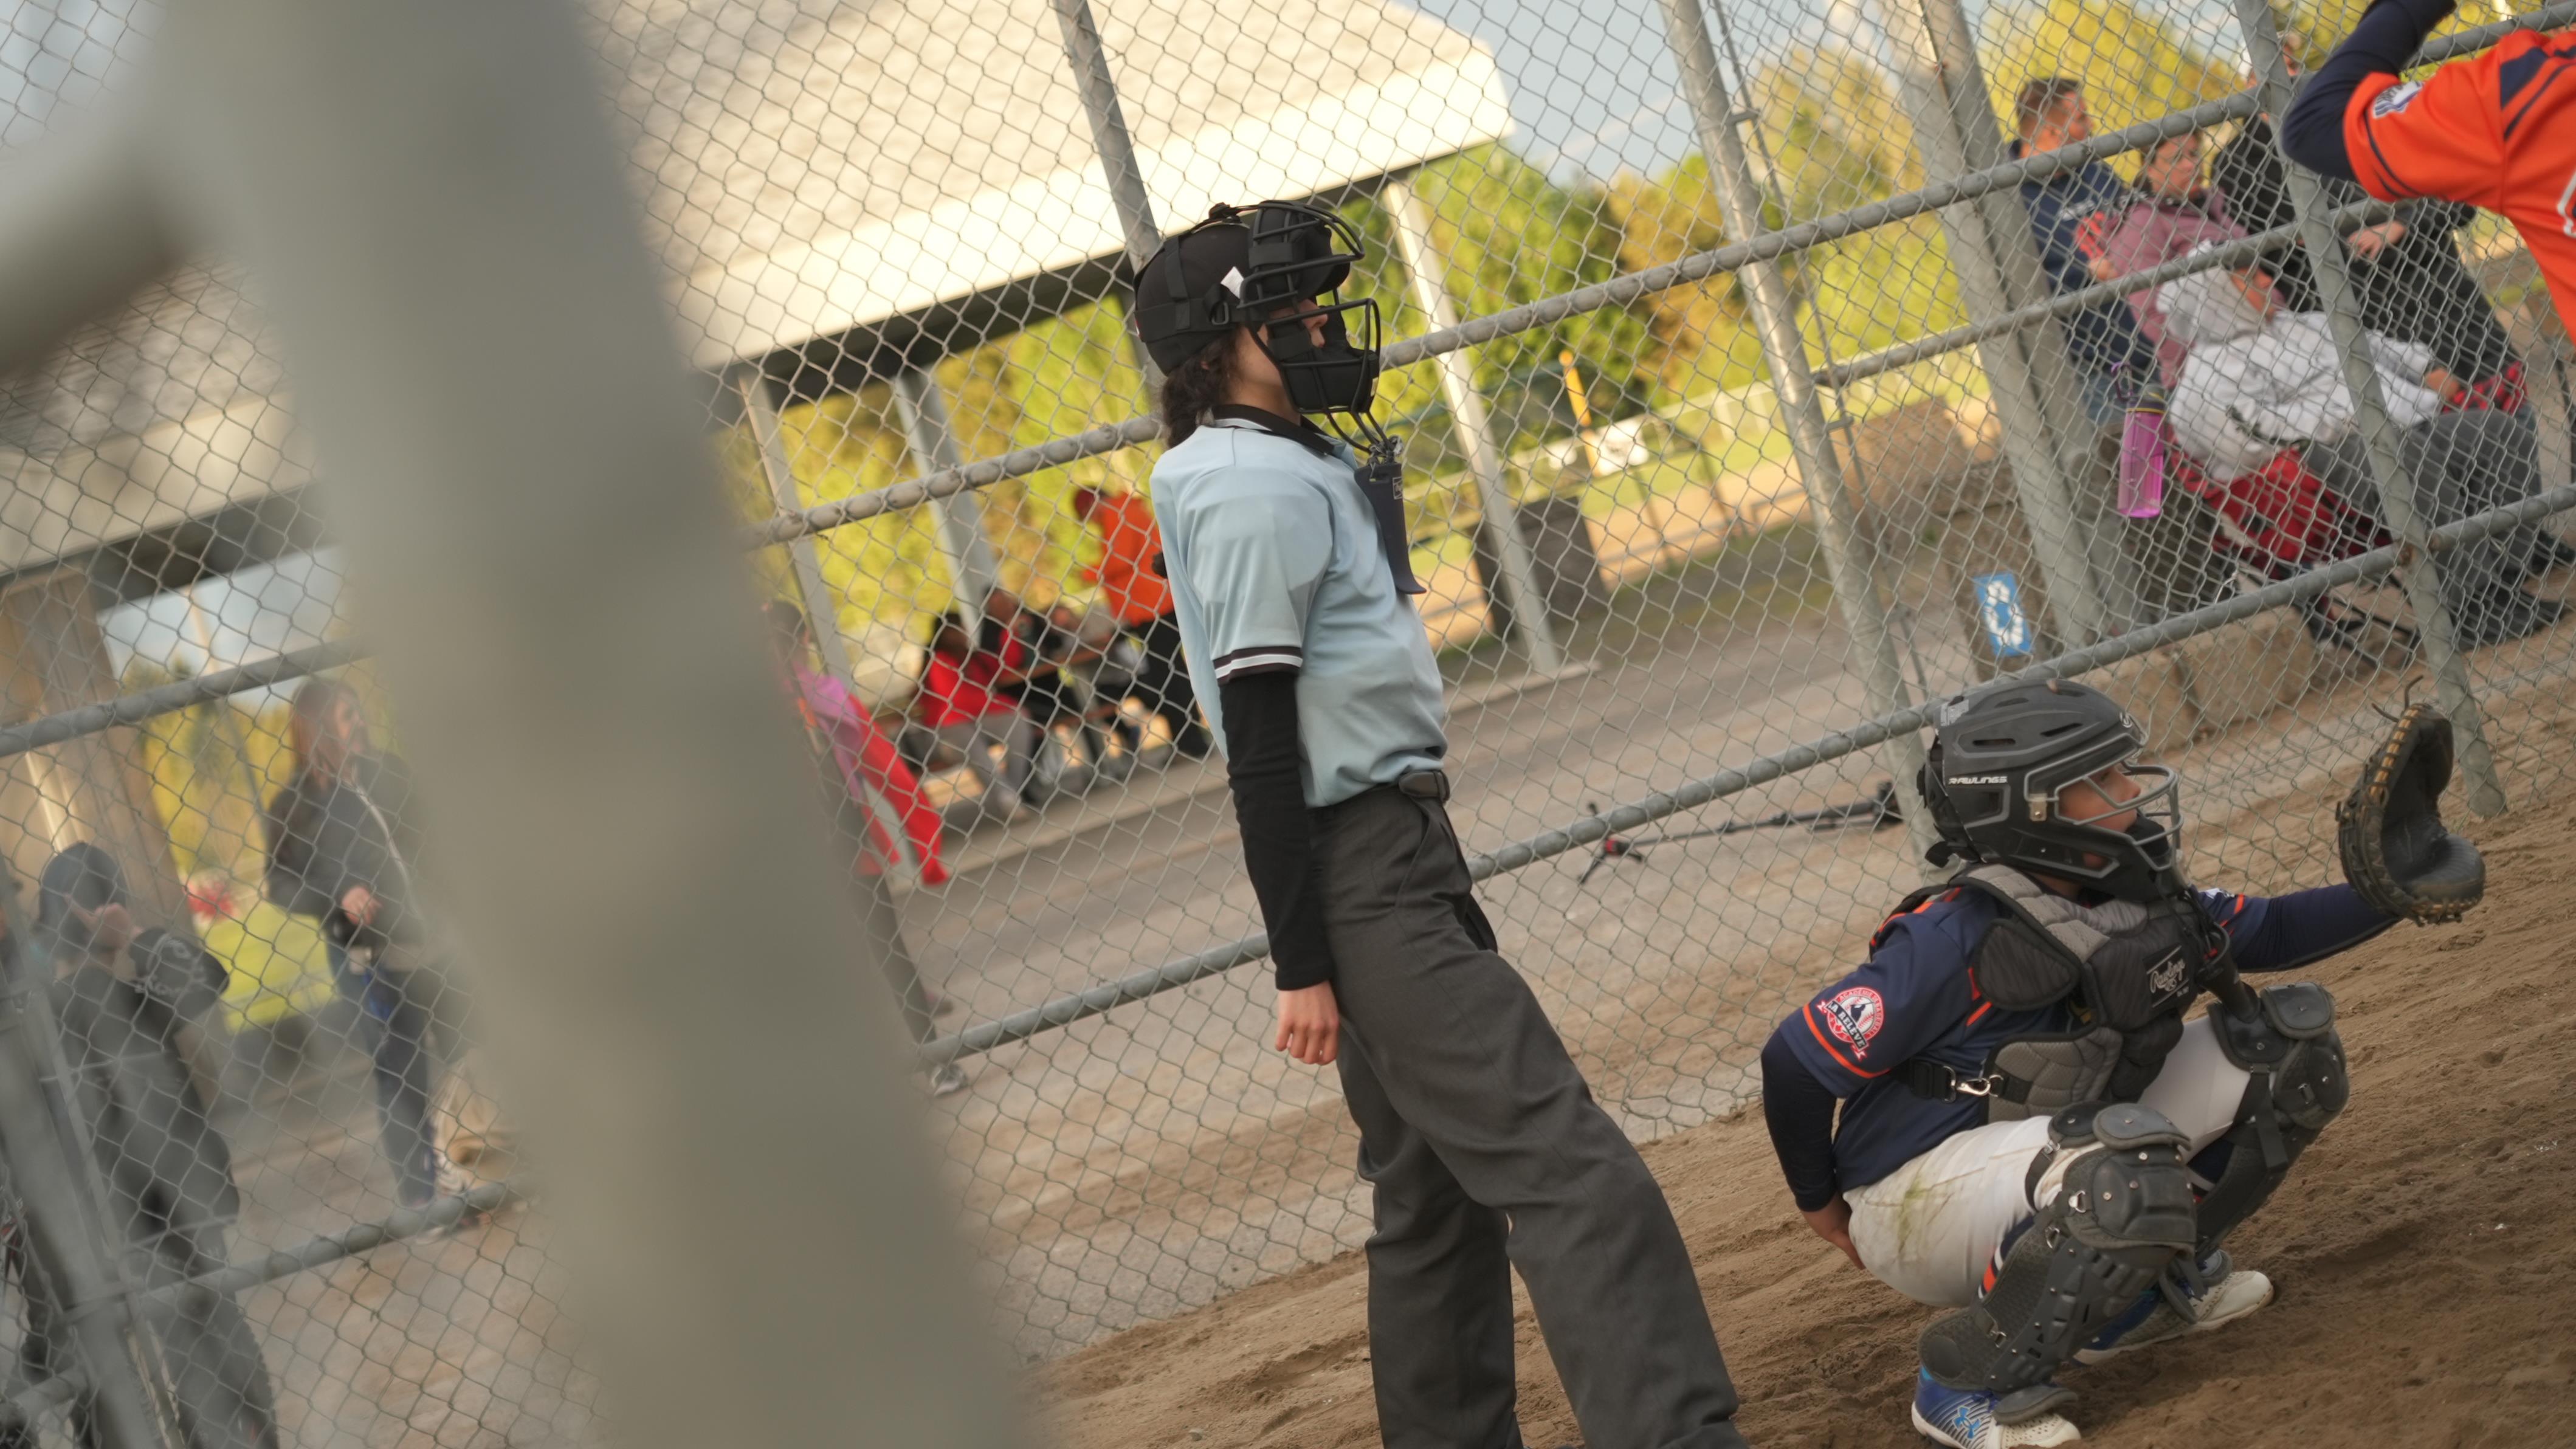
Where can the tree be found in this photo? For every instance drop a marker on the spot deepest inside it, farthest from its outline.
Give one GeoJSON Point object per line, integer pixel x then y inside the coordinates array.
{"type": "Point", "coordinates": [1511, 236]}
{"type": "Point", "coordinates": [2134, 67]}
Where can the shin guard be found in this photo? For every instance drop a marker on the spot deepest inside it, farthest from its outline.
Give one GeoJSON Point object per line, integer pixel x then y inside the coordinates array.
{"type": "Point", "coordinates": [2113, 1202]}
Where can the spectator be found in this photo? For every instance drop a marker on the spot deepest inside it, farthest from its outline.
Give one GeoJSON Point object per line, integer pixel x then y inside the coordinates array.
{"type": "Point", "coordinates": [2071, 218]}
{"type": "Point", "coordinates": [898, 831]}
{"type": "Point", "coordinates": [960, 702]}
{"type": "Point", "coordinates": [128, 1003]}
{"type": "Point", "coordinates": [1107, 660]}
{"type": "Point", "coordinates": [2173, 214]}
{"type": "Point", "coordinates": [1027, 673]}
{"type": "Point", "coordinates": [2259, 379]}
{"type": "Point", "coordinates": [1052, 694]}
{"type": "Point", "coordinates": [341, 841]}
{"type": "Point", "coordinates": [1130, 576]}
{"type": "Point", "coordinates": [879, 818]}
{"type": "Point", "coordinates": [2413, 285]}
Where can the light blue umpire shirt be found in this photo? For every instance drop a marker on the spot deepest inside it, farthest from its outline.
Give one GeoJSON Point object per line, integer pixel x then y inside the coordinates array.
{"type": "Point", "coordinates": [1276, 563]}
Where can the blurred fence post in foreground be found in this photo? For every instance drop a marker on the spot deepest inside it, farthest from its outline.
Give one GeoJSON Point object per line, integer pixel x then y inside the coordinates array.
{"type": "Point", "coordinates": [479, 345]}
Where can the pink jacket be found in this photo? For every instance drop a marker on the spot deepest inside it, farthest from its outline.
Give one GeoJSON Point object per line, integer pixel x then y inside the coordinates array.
{"type": "Point", "coordinates": [903, 830]}
{"type": "Point", "coordinates": [2149, 234]}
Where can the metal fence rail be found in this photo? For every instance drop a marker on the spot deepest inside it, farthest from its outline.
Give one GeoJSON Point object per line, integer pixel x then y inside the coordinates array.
{"type": "Point", "coordinates": [1748, 416]}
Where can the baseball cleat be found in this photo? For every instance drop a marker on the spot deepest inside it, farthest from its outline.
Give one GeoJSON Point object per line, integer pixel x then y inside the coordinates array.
{"type": "Point", "coordinates": [1967, 1418]}
{"type": "Point", "coordinates": [2230, 1295]}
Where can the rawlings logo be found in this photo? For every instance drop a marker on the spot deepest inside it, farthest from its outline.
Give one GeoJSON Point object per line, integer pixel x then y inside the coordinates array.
{"type": "Point", "coordinates": [2168, 975]}
{"type": "Point", "coordinates": [1855, 1016]}
{"type": "Point", "coordinates": [2394, 99]}
{"type": "Point", "coordinates": [1981, 779]}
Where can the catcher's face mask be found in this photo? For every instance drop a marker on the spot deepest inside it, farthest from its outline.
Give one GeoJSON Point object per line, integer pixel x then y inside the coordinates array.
{"type": "Point", "coordinates": [1302, 254]}
{"type": "Point", "coordinates": [1271, 268]}
{"type": "Point", "coordinates": [2130, 805]}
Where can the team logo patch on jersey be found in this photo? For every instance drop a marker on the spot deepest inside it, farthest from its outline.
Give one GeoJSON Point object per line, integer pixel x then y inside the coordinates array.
{"type": "Point", "coordinates": [1855, 1016]}
{"type": "Point", "coordinates": [2394, 99]}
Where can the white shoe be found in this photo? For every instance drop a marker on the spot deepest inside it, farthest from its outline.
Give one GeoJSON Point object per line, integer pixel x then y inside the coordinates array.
{"type": "Point", "coordinates": [1965, 1419]}
{"type": "Point", "coordinates": [948, 1081]}
{"type": "Point", "coordinates": [2239, 1292]}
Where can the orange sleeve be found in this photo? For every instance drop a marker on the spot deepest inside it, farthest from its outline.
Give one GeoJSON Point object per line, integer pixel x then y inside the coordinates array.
{"type": "Point", "coordinates": [2441, 136]}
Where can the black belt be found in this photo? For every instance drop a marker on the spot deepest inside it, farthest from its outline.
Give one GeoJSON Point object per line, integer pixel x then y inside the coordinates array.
{"type": "Point", "coordinates": [1429, 785]}
{"type": "Point", "coordinates": [1424, 785]}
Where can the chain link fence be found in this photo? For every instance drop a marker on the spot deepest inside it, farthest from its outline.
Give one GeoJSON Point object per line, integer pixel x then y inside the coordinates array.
{"type": "Point", "coordinates": [1768, 372]}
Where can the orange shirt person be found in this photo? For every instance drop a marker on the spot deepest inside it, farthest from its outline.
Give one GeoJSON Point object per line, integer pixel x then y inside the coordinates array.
{"type": "Point", "coordinates": [2496, 131]}
{"type": "Point", "coordinates": [1130, 583]}
{"type": "Point", "coordinates": [1130, 576]}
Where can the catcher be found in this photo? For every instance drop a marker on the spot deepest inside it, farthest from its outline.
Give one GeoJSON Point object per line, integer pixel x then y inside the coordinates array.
{"type": "Point", "coordinates": [2031, 1133]}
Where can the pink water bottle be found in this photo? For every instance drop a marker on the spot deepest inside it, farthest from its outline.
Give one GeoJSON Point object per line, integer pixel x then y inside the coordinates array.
{"type": "Point", "coordinates": [2142, 455]}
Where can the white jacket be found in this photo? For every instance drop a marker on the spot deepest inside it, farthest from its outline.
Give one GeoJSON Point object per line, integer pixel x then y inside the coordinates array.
{"type": "Point", "coordinates": [2253, 385]}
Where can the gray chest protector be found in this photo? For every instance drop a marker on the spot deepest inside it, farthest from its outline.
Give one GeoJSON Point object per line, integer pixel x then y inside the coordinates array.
{"type": "Point", "coordinates": [2126, 970]}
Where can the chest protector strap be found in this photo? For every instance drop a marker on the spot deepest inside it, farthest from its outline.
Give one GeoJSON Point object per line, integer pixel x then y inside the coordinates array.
{"type": "Point", "coordinates": [2126, 971]}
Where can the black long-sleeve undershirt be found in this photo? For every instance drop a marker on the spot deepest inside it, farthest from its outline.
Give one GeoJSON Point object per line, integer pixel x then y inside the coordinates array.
{"type": "Point", "coordinates": [1265, 771]}
{"type": "Point", "coordinates": [2385, 40]}
{"type": "Point", "coordinates": [1800, 1113]}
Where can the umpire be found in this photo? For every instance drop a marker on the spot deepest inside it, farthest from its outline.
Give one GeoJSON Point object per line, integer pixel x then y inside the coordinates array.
{"type": "Point", "coordinates": [1287, 557]}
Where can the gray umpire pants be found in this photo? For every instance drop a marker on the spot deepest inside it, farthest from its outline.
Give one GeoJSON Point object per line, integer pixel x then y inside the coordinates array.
{"type": "Point", "coordinates": [1488, 1153]}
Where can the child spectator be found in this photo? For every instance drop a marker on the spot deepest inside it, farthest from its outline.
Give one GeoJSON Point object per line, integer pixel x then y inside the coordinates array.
{"type": "Point", "coordinates": [961, 702]}
{"type": "Point", "coordinates": [881, 825]}
{"type": "Point", "coordinates": [2173, 214]}
{"type": "Point", "coordinates": [2260, 379]}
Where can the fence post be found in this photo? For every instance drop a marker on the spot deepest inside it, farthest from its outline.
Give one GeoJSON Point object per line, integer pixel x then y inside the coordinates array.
{"type": "Point", "coordinates": [1428, 270]}
{"type": "Point", "coordinates": [822, 611]}
{"type": "Point", "coordinates": [1089, 57]}
{"type": "Point", "coordinates": [1850, 561]}
{"type": "Point", "coordinates": [2422, 573]}
{"type": "Point", "coordinates": [2030, 444]}
{"type": "Point", "coordinates": [971, 570]}
{"type": "Point", "coordinates": [2081, 459]}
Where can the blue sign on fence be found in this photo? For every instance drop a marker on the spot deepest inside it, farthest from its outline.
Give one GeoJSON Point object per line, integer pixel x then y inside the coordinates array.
{"type": "Point", "coordinates": [2008, 629]}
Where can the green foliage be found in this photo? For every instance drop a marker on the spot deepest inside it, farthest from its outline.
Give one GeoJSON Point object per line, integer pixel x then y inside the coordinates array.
{"type": "Point", "coordinates": [1832, 137]}
{"type": "Point", "coordinates": [2134, 66]}
{"type": "Point", "coordinates": [1511, 237]}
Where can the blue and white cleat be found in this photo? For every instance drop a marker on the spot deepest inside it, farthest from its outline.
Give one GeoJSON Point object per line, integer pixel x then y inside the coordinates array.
{"type": "Point", "coordinates": [2230, 1293]}
{"type": "Point", "coordinates": [1974, 1419]}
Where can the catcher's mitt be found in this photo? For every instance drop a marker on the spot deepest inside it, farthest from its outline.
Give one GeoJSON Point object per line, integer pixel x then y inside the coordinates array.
{"type": "Point", "coordinates": [2395, 851]}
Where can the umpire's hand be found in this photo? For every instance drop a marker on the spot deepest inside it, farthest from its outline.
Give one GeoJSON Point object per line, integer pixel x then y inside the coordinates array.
{"type": "Point", "coordinates": [1310, 1024]}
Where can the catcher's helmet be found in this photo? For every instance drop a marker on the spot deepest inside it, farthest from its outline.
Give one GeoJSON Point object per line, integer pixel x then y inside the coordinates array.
{"type": "Point", "coordinates": [1237, 269]}
{"type": "Point", "coordinates": [2000, 758]}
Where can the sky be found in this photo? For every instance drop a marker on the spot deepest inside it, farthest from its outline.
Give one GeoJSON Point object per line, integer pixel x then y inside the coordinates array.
{"type": "Point", "coordinates": [250, 615]}
{"type": "Point", "coordinates": [1594, 91]}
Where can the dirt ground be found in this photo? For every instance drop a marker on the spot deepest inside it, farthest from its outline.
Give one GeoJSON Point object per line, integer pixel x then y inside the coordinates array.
{"type": "Point", "coordinates": [2421, 1250]}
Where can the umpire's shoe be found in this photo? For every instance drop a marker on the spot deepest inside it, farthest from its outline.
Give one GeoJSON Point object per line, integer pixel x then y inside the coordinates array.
{"type": "Point", "coordinates": [1965, 1418]}
{"type": "Point", "coordinates": [2230, 1293]}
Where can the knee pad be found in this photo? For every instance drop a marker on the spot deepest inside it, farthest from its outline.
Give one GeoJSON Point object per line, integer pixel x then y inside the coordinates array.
{"type": "Point", "coordinates": [2299, 1084]}
{"type": "Point", "coordinates": [2113, 1211]}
